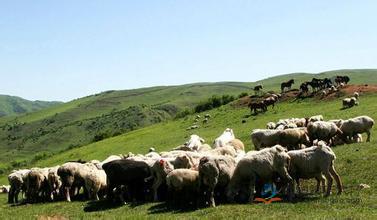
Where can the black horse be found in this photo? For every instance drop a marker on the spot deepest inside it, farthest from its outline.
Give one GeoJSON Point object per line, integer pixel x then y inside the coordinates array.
{"type": "Point", "coordinates": [287, 84]}
{"type": "Point", "coordinates": [258, 88]}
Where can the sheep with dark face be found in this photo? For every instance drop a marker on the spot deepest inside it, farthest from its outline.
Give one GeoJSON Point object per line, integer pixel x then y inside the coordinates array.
{"type": "Point", "coordinates": [215, 173]}
{"type": "Point", "coordinates": [262, 165]}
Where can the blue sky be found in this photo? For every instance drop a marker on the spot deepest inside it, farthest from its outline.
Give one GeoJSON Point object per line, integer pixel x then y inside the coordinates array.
{"type": "Point", "coordinates": [61, 50]}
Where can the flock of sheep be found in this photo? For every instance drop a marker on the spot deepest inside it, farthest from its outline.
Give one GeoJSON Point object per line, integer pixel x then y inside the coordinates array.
{"type": "Point", "coordinates": [203, 175]}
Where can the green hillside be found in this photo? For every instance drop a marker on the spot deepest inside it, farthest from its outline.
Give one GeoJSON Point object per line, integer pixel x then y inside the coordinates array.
{"type": "Point", "coordinates": [355, 164]}
{"type": "Point", "coordinates": [28, 138]}
{"type": "Point", "coordinates": [13, 105]}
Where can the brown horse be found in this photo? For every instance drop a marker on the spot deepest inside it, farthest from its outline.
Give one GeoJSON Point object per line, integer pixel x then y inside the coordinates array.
{"type": "Point", "coordinates": [287, 84]}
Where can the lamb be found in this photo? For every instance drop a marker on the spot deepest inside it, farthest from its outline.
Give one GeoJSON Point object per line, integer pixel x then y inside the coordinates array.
{"type": "Point", "coordinates": [323, 130]}
{"type": "Point", "coordinates": [224, 138]}
{"type": "Point", "coordinates": [17, 183]}
{"type": "Point", "coordinates": [54, 182]}
{"type": "Point", "coordinates": [181, 183]}
{"type": "Point", "coordinates": [358, 125]}
{"type": "Point", "coordinates": [358, 138]}
{"type": "Point", "coordinates": [95, 183]}
{"type": "Point", "coordinates": [263, 164]}
{"type": "Point", "coordinates": [162, 167]}
{"type": "Point", "coordinates": [312, 162]}
{"type": "Point", "coordinates": [214, 175]}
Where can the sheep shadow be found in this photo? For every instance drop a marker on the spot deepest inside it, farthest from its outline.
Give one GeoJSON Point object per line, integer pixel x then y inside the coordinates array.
{"type": "Point", "coordinates": [163, 207]}
{"type": "Point", "coordinates": [102, 205]}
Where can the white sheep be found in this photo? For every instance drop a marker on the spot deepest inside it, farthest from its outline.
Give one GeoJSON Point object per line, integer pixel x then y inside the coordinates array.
{"type": "Point", "coordinates": [262, 165]}
{"type": "Point", "coordinates": [262, 138]}
{"type": "Point", "coordinates": [312, 162]}
{"type": "Point", "coordinates": [323, 130]}
{"type": "Point", "coordinates": [17, 184]}
{"type": "Point", "coordinates": [358, 125]}
{"type": "Point", "coordinates": [95, 183]}
{"type": "Point", "coordinates": [224, 138]}
{"type": "Point", "coordinates": [356, 95]}
{"type": "Point", "coordinates": [54, 182]}
{"type": "Point", "coordinates": [182, 184]}
{"type": "Point", "coordinates": [194, 143]}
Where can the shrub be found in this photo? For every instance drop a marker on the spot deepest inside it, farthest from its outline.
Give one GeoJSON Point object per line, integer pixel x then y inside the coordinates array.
{"type": "Point", "coordinates": [214, 102]}
{"type": "Point", "coordinates": [243, 94]}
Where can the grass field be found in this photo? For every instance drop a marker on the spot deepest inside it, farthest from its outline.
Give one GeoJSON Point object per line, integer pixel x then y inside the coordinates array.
{"type": "Point", "coordinates": [355, 163]}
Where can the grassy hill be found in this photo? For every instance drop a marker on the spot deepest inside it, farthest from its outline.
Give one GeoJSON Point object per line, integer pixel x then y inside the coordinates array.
{"type": "Point", "coordinates": [355, 164]}
{"type": "Point", "coordinates": [13, 105]}
{"type": "Point", "coordinates": [28, 138]}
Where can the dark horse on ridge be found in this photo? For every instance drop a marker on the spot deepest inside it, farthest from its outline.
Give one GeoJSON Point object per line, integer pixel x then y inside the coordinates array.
{"type": "Point", "coordinates": [287, 84]}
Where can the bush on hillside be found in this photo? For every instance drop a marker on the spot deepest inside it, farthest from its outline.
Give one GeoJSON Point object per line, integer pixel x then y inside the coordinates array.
{"type": "Point", "coordinates": [214, 102]}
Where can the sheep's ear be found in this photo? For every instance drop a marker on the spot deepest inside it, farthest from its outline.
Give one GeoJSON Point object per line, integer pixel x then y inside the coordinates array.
{"type": "Point", "coordinates": [202, 140]}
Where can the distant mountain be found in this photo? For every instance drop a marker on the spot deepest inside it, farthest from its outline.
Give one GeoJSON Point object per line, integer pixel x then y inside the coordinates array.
{"type": "Point", "coordinates": [13, 105]}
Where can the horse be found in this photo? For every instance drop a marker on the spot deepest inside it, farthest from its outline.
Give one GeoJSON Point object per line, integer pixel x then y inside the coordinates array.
{"type": "Point", "coordinates": [287, 84]}
{"type": "Point", "coordinates": [257, 88]}
{"type": "Point", "coordinates": [257, 105]}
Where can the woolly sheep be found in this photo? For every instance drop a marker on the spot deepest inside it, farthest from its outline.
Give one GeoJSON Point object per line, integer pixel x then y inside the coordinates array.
{"type": "Point", "coordinates": [323, 130]}
{"type": "Point", "coordinates": [54, 182]}
{"type": "Point", "coordinates": [358, 125]}
{"type": "Point", "coordinates": [195, 142]}
{"type": "Point", "coordinates": [224, 138]}
{"type": "Point", "coordinates": [215, 174]}
{"type": "Point", "coordinates": [312, 162]}
{"type": "Point", "coordinates": [262, 138]}
{"type": "Point", "coordinates": [182, 183]}
{"type": "Point", "coordinates": [16, 181]}
{"type": "Point", "coordinates": [263, 164]}
{"type": "Point", "coordinates": [36, 184]}
{"type": "Point", "coordinates": [95, 182]}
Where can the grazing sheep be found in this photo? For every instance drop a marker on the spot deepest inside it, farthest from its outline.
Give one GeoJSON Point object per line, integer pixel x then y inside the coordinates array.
{"type": "Point", "coordinates": [261, 165]}
{"type": "Point", "coordinates": [54, 182]}
{"type": "Point", "coordinates": [183, 184]}
{"type": "Point", "coordinates": [294, 138]}
{"type": "Point", "coordinates": [4, 189]}
{"type": "Point", "coordinates": [128, 174]}
{"type": "Point", "coordinates": [291, 138]}
{"type": "Point", "coordinates": [37, 184]}
{"type": "Point", "coordinates": [73, 176]}
{"type": "Point", "coordinates": [226, 150]}
{"type": "Point", "coordinates": [224, 138]}
{"type": "Point", "coordinates": [95, 183]}
{"type": "Point", "coordinates": [262, 138]}
{"type": "Point", "coordinates": [214, 176]}
{"type": "Point", "coordinates": [207, 116]}
{"type": "Point", "coordinates": [358, 138]}
{"type": "Point", "coordinates": [312, 162]}
{"type": "Point", "coordinates": [17, 183]}
{"type": "Point", "coordinates": [358, 125]}
{"type": "Point", "coordinates": [323, 130]}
